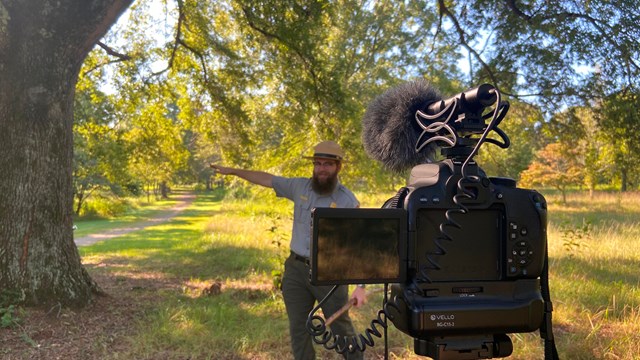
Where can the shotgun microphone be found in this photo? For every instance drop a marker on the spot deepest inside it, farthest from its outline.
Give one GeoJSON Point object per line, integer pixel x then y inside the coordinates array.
{"type": "Point", "coordinates": [401, 127]}
{"type": "Point", "coordinates": [389, 127]}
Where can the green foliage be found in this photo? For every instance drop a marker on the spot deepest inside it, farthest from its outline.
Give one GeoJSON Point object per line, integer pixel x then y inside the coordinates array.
{"type": "Point", "coordinates": [619, 120]}
{"type": "Point", "coordinates": [521, 127]}
{"type": "Point", "coordinates": [105, 207]}
{"type": "Point", "coordinates": [554, 50]}
{"type": "Point", "coordinates": [275, 79]}
{"type": "Point", "coordinates": [10, 315]}
{"type": "Point", "coordinates": [280, 238]}
{"type": "Point", "coordinates": [255, 84]}
{"type": "Point", "coordinates": [575, 238]}
{"type": "Point", "coordinates": [100, 155]}
{"type": "Point", "coordinates": [10, 297]}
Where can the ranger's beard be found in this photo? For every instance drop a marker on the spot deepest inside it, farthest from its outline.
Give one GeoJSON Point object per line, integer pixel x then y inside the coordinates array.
{"type": "Point", "coordinates": [324, 186]}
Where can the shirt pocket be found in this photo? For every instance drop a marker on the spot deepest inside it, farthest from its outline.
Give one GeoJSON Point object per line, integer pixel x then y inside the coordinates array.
{"type": "Point", "coordinates": [302, 213]}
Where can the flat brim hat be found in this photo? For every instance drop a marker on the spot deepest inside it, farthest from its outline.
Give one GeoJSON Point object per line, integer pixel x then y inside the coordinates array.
{"type": "Point", "coordinates": [327, 150]}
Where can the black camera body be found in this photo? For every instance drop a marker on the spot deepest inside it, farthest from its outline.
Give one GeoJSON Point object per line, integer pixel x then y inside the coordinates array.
{"type": "Point", "coordinates": [472, 272]}
{"type": "Point", "coordinates": [465, 254]}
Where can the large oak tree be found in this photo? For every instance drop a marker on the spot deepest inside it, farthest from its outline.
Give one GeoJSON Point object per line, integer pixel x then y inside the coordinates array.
{"type": "Point", "coordinates": [43, 44]}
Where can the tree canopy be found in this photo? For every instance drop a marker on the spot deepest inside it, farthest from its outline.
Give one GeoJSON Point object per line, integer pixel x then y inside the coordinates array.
{"type": "Point", "coordinates": [263, 81]}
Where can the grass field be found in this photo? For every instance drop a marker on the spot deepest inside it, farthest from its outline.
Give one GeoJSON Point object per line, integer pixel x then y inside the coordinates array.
{"type": "Point", "coordinates": [215, 265]}
{"type": "Point", "coordinates": [595, 283]}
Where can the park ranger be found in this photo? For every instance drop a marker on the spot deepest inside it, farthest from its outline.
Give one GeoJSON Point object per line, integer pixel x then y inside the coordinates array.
{"type": "Point", "coordinates": [323, 189]}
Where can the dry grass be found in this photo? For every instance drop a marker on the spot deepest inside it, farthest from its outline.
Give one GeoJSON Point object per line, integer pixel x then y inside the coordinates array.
{"type": "Point", "coordinates": [594, 257]}
{"type": "Point", "coordinates": [202, 287]}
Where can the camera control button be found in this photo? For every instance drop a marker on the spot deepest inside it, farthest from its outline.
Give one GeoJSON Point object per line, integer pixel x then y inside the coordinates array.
{"type": "Point", "coordinates": [513, 230]}
{"type": "Point", "coordinates": [523, 253]}
{"type": "Point", "coordinates": [524, 231]}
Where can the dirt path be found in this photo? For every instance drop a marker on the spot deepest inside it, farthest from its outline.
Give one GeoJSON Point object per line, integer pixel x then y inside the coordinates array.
{"type": "Point", "coordinates": [184, 200]}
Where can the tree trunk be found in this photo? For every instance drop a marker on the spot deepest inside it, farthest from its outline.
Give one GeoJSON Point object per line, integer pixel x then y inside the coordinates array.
{"type": "Point", "coordinates": [623, 179]}
{"type": "Point", "coordinates": [164, 190]}
{"type": "Point", "coordinates": [42, 46]}
{"type": "Point", "coordinates": [80, 198]}
{"type": "Point", "coordinates": [563, 191]}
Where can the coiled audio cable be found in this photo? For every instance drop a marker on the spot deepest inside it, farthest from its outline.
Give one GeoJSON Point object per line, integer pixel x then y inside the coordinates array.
{"type": "Point", "coordinates": [317, 327]}
{"type": "Point", "coordinates": [463, 195]}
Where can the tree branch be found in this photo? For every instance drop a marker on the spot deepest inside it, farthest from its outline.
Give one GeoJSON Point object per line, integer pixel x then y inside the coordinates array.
{"type": "Point", "coordinates": [600, 26]}
{"type": "Point", "coordinates": [199, 55]}
{"type": "Point", "coordinates": [110, 51]}
{"type": "Point", "coordinates": [307, 63]}
{"type": "Point", "coordinates": [177, 40]}
{"type": "Point", "coordinates": [462, 36]}
{"type": "Point", "coordinates": [119, 57]}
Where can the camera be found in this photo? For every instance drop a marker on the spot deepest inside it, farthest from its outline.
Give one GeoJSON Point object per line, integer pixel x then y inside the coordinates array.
{"type": "Point", "coordinates": [464, 254]}
{"type": "Point", "coordinates": [472, 274]}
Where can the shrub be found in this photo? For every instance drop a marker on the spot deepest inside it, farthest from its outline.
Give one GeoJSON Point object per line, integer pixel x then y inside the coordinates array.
{"type": "Point", "coordinates": [106, 207]}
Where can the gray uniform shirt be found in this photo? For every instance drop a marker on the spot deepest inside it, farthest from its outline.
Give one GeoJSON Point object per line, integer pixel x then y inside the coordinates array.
{"type": "Point", "coordinates": [305, 199]}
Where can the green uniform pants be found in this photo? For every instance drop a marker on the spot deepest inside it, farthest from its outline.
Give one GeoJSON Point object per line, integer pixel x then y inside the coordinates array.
{"type": "Point", "coordinates": [300, 298]}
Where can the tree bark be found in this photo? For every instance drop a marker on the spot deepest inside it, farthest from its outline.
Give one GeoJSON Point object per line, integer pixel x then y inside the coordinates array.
{"type": "Point", "coordinates": [164, 190]}
{"type": "Point", "coordinates": [623, 180]}
{"type": "Point", "coordinates": [42, 46]}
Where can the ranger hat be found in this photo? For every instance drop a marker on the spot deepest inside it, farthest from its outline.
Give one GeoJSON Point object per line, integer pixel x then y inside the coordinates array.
{"type": "Point", "coordinates": [327, 150]}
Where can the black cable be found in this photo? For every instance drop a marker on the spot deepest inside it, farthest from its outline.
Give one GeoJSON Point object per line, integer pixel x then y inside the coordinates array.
{"type": "Point", "coordinates": [386, 337]}
{"type": "Point", "coordinates": [342, 344]}
{"type": "Point", "coordinates": [464, 194]}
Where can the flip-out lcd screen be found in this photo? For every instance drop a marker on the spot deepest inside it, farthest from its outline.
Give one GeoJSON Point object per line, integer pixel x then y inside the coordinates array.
{"type": "Point", "coordinates": [357, 246]}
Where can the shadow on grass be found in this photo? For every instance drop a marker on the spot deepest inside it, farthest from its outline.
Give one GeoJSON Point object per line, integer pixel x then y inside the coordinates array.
{"type": "Point", "coordinates": [594, 283]}
{"type": "Point", "coordinates": [610, 270]}
{"type": "Point", "coordinates": [243, 320]}
{"type": "Point", "coordinates": [181, 248]}
{"type": "Point", "coordinates": [231, 325]}
{"type": "Point", "coordinates": [177, 249]}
